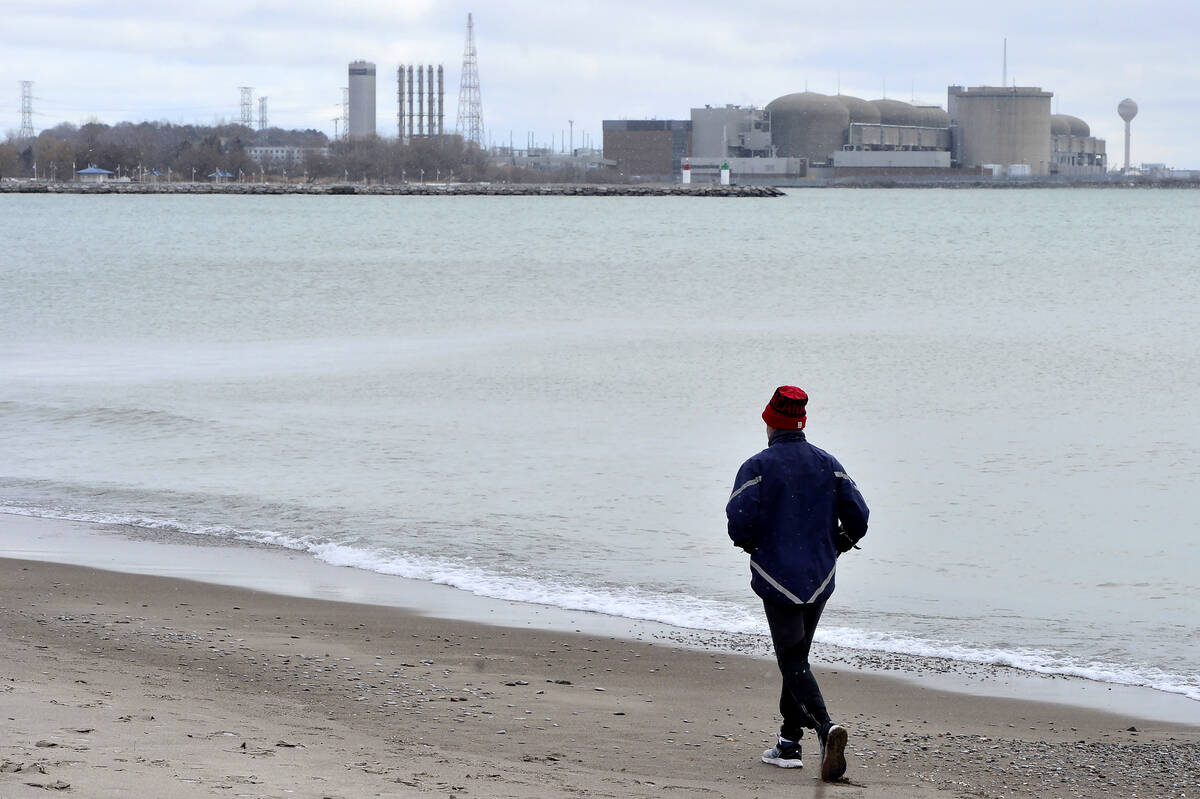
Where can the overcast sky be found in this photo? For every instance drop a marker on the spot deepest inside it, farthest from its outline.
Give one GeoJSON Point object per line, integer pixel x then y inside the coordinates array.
{"type": "Point", "coordinates": [544, 63]}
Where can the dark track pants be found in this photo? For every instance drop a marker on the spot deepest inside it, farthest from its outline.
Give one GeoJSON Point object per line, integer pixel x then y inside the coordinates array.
{"type": "Point", "coordinates": [800, 701]}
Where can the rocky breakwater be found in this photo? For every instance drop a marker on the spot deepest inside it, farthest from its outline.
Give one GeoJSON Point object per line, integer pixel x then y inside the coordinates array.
{"type": "Point", "coordinates": [421, 189]}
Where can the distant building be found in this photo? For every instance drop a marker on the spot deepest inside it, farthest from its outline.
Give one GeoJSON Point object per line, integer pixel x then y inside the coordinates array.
{"type": "Point", "coordinates": [649, 149]}
{"type": "Point", "coordinates": [1004, 132]}
{"type": "Point", "coordinates": [852, 133]}
{"type": "Point", "coordinates": [1163, 172]}
{"type": "Point", "coordinates": [731, 131]}
{"type": "Point", "coordinates": [93, 174]}
{"type": "Point", "coordinates": [746, 171]}
{"type": "Point", "coordinates": [282, 155]}
{"type": "Point", "coordinates": [362, 99]}
{"type": "Point", "coordinates": [1073, 150]}
{"type": "Point", "coordinates": [1007, 126]}
{"type": "Point", "coordinates": [545, 160]}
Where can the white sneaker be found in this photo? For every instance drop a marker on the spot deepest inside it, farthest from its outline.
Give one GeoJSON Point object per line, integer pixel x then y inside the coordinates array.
{"type": "Point", "coordinates": [785, 754]}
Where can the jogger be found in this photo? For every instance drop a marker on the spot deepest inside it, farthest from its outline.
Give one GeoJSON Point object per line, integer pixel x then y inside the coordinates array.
{"type": "Point", "coordinates": [795, 510]}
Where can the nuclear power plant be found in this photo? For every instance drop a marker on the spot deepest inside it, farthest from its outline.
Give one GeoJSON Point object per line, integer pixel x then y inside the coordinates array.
{"type": "Point", "coordinates": [997, 131]}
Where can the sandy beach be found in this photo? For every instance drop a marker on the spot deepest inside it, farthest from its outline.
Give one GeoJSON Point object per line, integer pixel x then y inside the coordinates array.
{"type": "Point", "coordinates": [131, 685]}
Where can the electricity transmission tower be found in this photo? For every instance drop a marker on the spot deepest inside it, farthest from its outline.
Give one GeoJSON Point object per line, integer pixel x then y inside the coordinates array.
{"type": "Point", "coordinates": [262, 113]}
{"type": "Point", "coordinates": [247, 104]}
{"type": "Point", "coordinates": [470, 104]}
{"type": "Point", "coordinates": [26, 110]}
{"type": "Point", "coordinates": [345, 112]}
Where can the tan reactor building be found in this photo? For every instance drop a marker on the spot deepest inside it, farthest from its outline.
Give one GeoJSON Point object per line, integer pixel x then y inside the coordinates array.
{"type": "Point", "coordinates": [999, 126]}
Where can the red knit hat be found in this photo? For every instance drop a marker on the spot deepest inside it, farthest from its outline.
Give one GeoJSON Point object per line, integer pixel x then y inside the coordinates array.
{"type": "Point", "coordinates": [785, 411]}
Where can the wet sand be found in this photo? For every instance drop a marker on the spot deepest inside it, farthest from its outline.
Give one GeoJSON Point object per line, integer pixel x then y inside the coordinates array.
{"type": "Point", "coordinates": [131, 685]}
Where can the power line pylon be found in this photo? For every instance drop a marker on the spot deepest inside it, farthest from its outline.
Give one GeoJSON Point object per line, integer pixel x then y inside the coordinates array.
{"type": "Point", "coordinates": [470, 103]}
{"type": "Point", "coordinates": [247, 106]}
{"type": "Point", "coordinates": [262, 113]}
{"type": "Point", "coordinates": [26, 110]}
{"type": "Point", "coordinates": [345, 112]}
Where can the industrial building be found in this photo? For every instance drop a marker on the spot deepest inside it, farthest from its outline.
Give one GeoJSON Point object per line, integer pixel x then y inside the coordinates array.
{"type": "Point", "coordinates": [1012, 131]}
{"type": "Point", "coordinates": [731, 132]}
{"type": "Point", "coordinates": [278, 154]}
{"type": "Point", "coordinates": [1073, 150]}
{"type": "Point", "coordinates": [648, 149]}
{"type": "Point", "coordinates": [850, 134]}
{"type": "Point", "coordinates": [361, 123]}
{"type": "Point", "coordinates": [542, 159]}
{"type": "Point", "coordinates": [1007, 126]}
{"type": "Point", "coordinates": [997, 131]}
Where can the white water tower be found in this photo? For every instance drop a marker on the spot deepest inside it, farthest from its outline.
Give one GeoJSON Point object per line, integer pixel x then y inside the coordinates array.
{"type": "Point", "coordinates": [1128, 110]}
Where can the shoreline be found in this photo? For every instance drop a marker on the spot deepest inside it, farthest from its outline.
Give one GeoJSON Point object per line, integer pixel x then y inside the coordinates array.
{"type": "Point", "coordinates": [756, 188]}
{"type": "Point", "coordinates": [270, 569]}
{"type": "Point", "coordinates": [743, 190]}
{"type": "Point", "coordinates": [401, 189]}
{"type": "Point", "coordinates": [122, 684]}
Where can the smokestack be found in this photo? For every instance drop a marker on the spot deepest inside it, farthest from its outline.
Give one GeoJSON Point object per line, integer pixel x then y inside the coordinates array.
{"type": "Point", "coordinates": [432, 110]}
{"type": "Point", "coordinates": [400, 99]}
{"type": "Point", "coordinates": [410, 101]}
{"type": "Point", "coordinates": [441, 115]}
{"type": "Point", "coordinates": [420, 100]}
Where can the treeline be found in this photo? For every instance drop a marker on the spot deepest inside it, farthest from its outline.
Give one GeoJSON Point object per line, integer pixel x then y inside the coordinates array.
{"type": "Point", "coordinates": [128, 148]}
{"type": "Point", "coordinates": [184, 152]}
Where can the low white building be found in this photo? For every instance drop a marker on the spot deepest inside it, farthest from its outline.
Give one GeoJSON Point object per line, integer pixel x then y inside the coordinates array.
{"type": "Point", "coordinates": [281, 154]}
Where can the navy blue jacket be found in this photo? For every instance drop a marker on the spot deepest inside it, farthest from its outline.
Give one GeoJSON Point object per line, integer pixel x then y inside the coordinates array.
{"type": "Point", "coordinates": [786, 504]}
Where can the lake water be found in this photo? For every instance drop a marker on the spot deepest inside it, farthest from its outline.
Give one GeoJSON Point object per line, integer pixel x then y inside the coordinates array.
{"type": "Point", "coordinates": [546, 399]}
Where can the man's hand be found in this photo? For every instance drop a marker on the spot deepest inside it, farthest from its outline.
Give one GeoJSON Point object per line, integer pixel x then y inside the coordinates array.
{"type": "Point", "coordinates": [842, 541]}
{"type": "Point", "coordinates": [748, 546]}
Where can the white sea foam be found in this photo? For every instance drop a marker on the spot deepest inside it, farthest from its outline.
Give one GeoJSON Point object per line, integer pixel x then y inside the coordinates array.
{"type": "Point", "coordinates": [1032, 660]}
{"type": "Point", "coordinates": [675, 609]}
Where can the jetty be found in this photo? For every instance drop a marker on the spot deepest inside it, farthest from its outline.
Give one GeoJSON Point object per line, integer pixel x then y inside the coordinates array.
{"type": "Point", "coordinates": [417, 189]}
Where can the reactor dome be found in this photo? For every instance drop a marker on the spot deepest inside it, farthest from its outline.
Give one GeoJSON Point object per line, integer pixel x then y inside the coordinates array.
{"type": "Point", "coordinates": [895, 112]}
{"type": "Point", "coordinates": [808, 125]}
{"type": "Point", "coordinates": [1060, 125]}
{"type": "Point", "coordinates": [1078, 126]}
{"type": "Point", "coordinates": [934, 116]}
{"type": "Point", "coordinates": [860, 110]}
